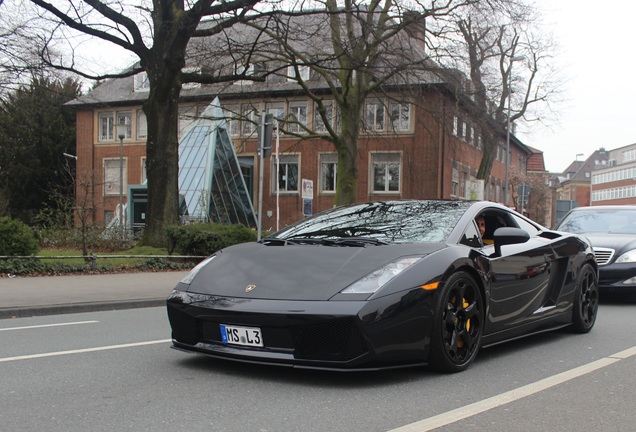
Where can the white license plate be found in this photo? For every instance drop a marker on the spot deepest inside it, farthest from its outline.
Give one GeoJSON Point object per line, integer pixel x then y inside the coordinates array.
{"type": "Point", "coordinates": [248, 336]}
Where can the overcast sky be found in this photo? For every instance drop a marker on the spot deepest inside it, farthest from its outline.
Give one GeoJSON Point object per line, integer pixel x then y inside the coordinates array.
{"type": "Point", "coordinates": [599, 57]}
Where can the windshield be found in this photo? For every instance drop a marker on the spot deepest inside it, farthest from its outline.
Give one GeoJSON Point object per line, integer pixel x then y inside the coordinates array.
{"type": "Point", "coordinates": [390, 222]}
{"type": "Point", "coordinates": [600, 221]}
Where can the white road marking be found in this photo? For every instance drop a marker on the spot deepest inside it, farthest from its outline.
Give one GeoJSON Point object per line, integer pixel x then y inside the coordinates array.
{"type": "Point", "coordinates": [48, 325]}
{"type": "Point", "coordinates": [85, 350]}
{"type": "Point", "coordinates": [462, 413]}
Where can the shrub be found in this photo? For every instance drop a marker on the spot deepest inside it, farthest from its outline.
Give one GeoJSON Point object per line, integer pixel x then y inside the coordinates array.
{"type": "Point", "coordinates": [206, 238]}
{"type": "Point", "coordinates": [16, 238]}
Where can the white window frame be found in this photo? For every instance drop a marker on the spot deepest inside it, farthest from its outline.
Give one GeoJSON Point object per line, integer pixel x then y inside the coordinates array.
{"type": "Point", "coordinates": [276, 109]}
{"type": "Point", "coordinates": [144, 175]}
{"type": "Point", "coordinates": [297, 116]}
{"type": "Point", "coordinates": [107, 120]}
{"type": "Point", "coordinates": [141, 82]}
{"type": "Point", "coordinates": [374, 116]}
{"type": "Point", "coordinates": [454, 182]}
{"type": "Point", "coordinates": [231, 118]}
{"type": "Point", "coordinates": [281, 175]}
{"type": "Point", "coordinates": [111, 176]}
{"type": "Point", "coordinates": [319, 124]}
{"type": "Point", "coordinates": [142, 125]}
{"type": "Point", "coordinates": [400, 116]}
{"type": "Point", "coordinates": [384, 163]}
{"type": "Point", "coordinates": [304, 73]}
{"type": "Point", "coordinates": [106, 126]}
{"type": "Point", "coordinates": [328, 185]}
{"type": "Point", "coordinates": [249, 124]}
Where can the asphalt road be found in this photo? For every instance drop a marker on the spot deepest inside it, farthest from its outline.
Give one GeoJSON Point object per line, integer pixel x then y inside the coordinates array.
{"type": "Point", "coordinates": [105, 371]}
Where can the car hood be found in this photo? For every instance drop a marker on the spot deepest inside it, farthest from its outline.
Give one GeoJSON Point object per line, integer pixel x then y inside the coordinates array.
{"type": "Point", "coordinates": [295, 272]}
{"type": "Point", "coordinates": [619, 242]}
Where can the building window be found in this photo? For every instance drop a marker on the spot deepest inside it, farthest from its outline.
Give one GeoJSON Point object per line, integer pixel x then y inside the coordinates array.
{"type": "Point", "coordinates": [142, 83]}
{"type": "Point", "coordinates": [328, 172]}
{"type": "Point", "coordinates": [250, 120]}
{"type": "Point", "coordinates": [231, 117]}
{"type": "Point", "coordinates": [400, 116]}
{"type": "Point", "coordinates": [106, 128]}
{"type": "Point", "coordinates": [455, 182]}
{"type": "Point", "coordinates": [253, 69]}
{"type": "Point", "coordinates": [374, 116]}
{"type": "Point", "coordinates": [277, 109]}
{"type": "Point", "coordinates": [142, 125]}
{"type": "Point", "coordinates": [143, 170]}
{"type": "Point", "coordinates": [286, 179]}
{"type": "Point", "coordinates": [297, 117]}
{"type": "Point", "coordinates": [111, 176]}
{"type": "Point", "coordinates": [303, 70]}
{"type": "Point", "coordinates": [386, 172]}
{"type": "Point", "coordinates": [455, 126]}
{"type": "Point", "coordinates": [125, 117]}
{"type": "Point", "coordinates": [319, 124]}
{"type": "Point", "coordinates": [107, 121]}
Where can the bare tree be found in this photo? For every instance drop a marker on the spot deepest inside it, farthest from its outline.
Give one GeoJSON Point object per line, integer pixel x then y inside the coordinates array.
{"type": "Point", "coordinates": [501, 47]}
{"type": "Point", "coordinates": [357, 49]}
{"type": "Point", "coordinates": [19, 61]}
{"type": "Point", "coordinates": [157, 34]}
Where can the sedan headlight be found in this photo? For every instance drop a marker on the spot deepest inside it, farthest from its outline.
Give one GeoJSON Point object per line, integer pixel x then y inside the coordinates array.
{"type": "Point", "coordinates": [378, 278]}
{"type": "Point", "coordinates": [627, 257]}
{"type": "Point", "coordinates": [190, 276]}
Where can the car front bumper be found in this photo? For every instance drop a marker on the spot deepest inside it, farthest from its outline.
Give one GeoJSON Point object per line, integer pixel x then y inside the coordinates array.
{"type": "Point", "coordinates": [617, 277]}
{"type": "Point", "coordinates": [392, 331]}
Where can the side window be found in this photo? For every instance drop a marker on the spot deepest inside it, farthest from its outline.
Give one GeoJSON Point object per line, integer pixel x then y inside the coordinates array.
{"type": "Point", "coordinates": [471, 236]}
{"type": "Point", "coordinates": [526, 226]}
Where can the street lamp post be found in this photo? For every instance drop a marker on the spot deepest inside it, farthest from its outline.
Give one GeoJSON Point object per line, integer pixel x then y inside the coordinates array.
{"type": "Point", "coordinates": [506, 186]}
{"type": "Point", "coordinates": [121, 134]}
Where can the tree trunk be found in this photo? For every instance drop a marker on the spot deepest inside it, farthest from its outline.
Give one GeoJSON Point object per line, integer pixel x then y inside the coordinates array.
{"type": "Point", "coordinates": [347, 147]}
{"type": "Point", "coordinates": [162, 157]}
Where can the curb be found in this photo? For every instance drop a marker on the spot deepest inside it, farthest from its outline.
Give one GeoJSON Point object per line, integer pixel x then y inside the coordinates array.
{"type": "Point", "coordinates": [31, 311]}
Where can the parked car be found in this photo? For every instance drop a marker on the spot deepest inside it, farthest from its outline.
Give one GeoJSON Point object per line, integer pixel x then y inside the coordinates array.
{"type": "Point", "coordinates": [612, 232]}
{"type": "Point", "coordinates": [386, 284]}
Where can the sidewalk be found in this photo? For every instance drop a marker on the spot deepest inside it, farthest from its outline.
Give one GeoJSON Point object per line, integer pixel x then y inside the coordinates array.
{"type": "Point", "coordinates": [51, 295]}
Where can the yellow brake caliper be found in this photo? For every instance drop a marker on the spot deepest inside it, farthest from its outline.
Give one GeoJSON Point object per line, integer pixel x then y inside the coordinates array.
{"type": "Point", "coordinates": [460, 342]}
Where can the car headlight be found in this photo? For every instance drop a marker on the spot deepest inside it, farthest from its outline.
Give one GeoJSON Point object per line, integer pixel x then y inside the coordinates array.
{"type": "Point", "coordinates": [378, 278]}
{"type": "Point", "coordinates": [190, 276]}
{"type": "Point", "coordinates": [627, 257]}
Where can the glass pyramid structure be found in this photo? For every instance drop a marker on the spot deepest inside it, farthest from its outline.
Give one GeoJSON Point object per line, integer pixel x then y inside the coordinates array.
{"type": "Point", "coordinates": [211, 185]}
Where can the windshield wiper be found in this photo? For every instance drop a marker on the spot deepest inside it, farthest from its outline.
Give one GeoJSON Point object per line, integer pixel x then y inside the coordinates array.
{"type": "Point", "coordinates": [359, 241]}
{"type": "Point", "coordinates": [271, 241]}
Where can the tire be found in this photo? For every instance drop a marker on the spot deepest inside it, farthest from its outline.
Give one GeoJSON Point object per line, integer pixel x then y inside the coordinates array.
{"type": "Point", "coordinates": [586, 300]}
{"type": "Point", "coordinates": [458, 324]}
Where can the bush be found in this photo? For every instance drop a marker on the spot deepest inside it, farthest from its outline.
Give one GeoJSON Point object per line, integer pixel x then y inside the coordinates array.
{"type": "Point", "coordinates": [205, 239]}
{"type": "Point", "coordinates": [16, 238]}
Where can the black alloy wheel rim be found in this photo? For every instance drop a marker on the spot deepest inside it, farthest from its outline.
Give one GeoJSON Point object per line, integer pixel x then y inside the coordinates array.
{"type": "Point", "coordinates": [588, 298]}
{"type": "Point", "coordinates": [461, 321]}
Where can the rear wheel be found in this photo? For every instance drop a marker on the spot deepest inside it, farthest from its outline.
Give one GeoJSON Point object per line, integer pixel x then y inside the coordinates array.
{"type": "Point", "coordinates": [458, 325]}
{"type": "Point", "coordinates": [586, 300]}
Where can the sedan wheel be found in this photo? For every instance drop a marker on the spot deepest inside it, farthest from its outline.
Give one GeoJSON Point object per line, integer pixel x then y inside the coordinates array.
{"type": "Point", "coordinates": [585, 300]}
{"type": "Point", "coordinates": [459, 323]}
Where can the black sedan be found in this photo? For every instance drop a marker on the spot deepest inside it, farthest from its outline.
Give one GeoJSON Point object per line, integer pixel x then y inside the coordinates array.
{"type": "Point", "coordinates": [386, 284]}
{"type": "Point", "coordinates": [612, 232]}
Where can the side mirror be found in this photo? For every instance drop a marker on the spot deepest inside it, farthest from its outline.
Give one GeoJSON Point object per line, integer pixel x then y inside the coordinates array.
{"type": "Point", "coordinates": [507, 236]}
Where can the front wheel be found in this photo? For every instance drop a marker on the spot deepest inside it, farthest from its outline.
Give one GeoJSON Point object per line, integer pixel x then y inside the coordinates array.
{"type": "Point", "coordinates": [458, 324]}
{"type": "Point", "coordinates": [586, 300]}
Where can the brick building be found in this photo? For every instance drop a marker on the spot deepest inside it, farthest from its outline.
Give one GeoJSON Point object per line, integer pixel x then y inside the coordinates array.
{"type": "Point", "coordinates": [418, 141]}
